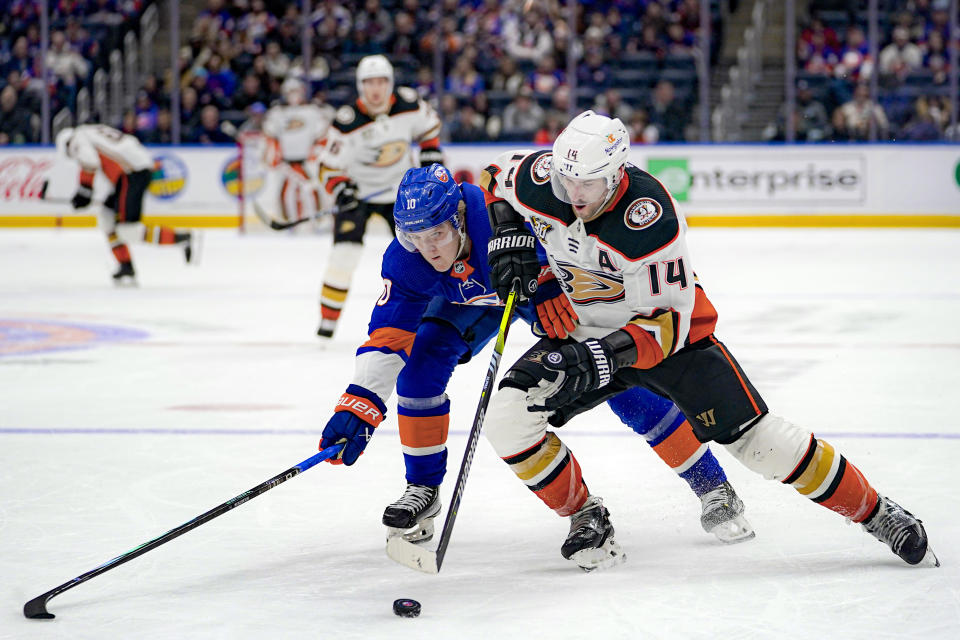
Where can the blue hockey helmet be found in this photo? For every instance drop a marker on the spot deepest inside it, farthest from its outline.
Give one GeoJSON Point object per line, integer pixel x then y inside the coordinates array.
{"type": "Point", "coordinates": [428, 197]}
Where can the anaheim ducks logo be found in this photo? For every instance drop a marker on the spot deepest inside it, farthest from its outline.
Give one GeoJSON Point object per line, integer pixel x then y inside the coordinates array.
{"type": "Point", "coordinates": [391, 153]}
{"type": "Point", "coordinates": [642, 213]}
{"type": "Point", "coordinates": [540, 170]}
{"type": "Point", "coordinates": [588, 287]}
{"type": "Point", "coordinates": [295, 123]}
{"type": "Point", "coordinates": [535, 356]}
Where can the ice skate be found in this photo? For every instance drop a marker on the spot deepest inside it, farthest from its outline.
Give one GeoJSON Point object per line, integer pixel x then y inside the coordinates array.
{"type": "Point", "coordinates": [326, 328]}
{"type": "Point", "coordinates": [412, 515]}
{"type": "Point", "coordinates": [191, 248]}
{"type": "Point", "coordinates": [590, 542]}
{"type": "Point", "coordinates": [722, 515]}
{"type": "Point", "coordinates": [125, 275]}
{"type": "Point", "coordinates": [902, 532]}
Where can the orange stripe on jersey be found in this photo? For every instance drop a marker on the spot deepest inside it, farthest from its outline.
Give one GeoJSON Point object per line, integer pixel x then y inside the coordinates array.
{"type": "Point", "coordinates": [649, 351]}
{"type": "Point", "coordinates": [390, 338]}
{"type": "Point", "coordinates": [679, 446]}
{"type": "Point", "coordinates": [86, 177]}
{"type": "Point", "coordinates": [432, 143]}
{"type": "Point", "coordinates": [743, 384]}
{"type": "Point", "coordinates": [423, 431]}
{"type": "Point", "coordinates": [854, 497]}
{"type": "Point", "coordinates": [703, 320]}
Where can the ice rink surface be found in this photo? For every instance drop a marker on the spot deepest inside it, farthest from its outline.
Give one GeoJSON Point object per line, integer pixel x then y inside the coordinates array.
{"type": "Point", "coordinates": [127, 412]}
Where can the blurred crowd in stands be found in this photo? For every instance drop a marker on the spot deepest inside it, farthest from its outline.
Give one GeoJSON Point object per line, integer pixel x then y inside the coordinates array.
{"type": "Point", "coordinates": [835, 70]}
{"type": "Point", "coordinates": [500, 73]}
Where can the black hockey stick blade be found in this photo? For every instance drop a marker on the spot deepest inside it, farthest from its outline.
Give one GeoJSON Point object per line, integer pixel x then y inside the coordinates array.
{"type": "Point", "coordinates": [36, 609]}
{"type": "Point", "coordinates": [420, 558]}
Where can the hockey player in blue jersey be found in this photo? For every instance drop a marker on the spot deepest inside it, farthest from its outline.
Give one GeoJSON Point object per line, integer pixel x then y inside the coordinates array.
{"type": "Point", "coordinates": [438, 308]}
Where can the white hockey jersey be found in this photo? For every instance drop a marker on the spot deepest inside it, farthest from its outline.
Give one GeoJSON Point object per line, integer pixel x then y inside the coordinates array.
{"type": "Point", "coordinates": [97, 146]}
{"type": "Point", "coordinates": [376, 151]}
{"type": "Point", "coordinates": [296, 129]}
{"type": "Point", "coordinates": [629, 266]}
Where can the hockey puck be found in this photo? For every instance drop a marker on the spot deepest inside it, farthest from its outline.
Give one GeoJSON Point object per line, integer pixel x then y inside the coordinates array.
{"type": "Point", "coordinates": [406, 608]}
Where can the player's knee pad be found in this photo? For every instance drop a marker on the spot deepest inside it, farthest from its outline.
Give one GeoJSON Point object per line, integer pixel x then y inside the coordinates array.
{"type": "Point", "coordinates": [508, 425]}
{"type": "Point", "coordinates": [344, 258]}
{"type": "Point", "coordinates": [773, 447]}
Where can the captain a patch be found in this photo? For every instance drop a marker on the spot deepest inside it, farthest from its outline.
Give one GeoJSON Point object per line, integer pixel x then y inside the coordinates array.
{"type": "Point", "coordinates": [642, 213]}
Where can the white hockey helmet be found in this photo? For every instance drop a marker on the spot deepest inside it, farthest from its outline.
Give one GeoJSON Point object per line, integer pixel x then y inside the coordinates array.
{"type": "Point", "coordinates": [63, 140]}
{"type": "Point", "coordinates": [374, 67]}
{"type": "Point", "coordinates": [592, 147]}
{"type": "Point", "coordinates": [291, 85]}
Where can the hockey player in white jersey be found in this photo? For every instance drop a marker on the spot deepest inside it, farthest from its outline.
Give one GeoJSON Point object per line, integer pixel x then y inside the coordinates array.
{"type": "Point", "coordinates": [615, 240]}
{"type": "Point", "coordinates": [369, 148]}
{"type": "Point", "coordinates": [128, 166]}
{"type": "Point", "coordinates": [295, 134]}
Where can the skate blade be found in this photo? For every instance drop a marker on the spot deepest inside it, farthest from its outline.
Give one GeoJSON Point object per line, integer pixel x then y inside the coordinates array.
{"type": "Point", "coordinates": [606, 556]}
{"type": "Point", "coordinates": [126, 283]}
{"type": "Point", "coordinates": [734, 531]}
{"type": "Point", "coordinates": [929, 559]}
{"type": "Point", "coordinates": [421, 532]}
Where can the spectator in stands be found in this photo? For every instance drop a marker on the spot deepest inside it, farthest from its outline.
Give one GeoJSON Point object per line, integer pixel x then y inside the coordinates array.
{"type": "Point", "coordinates": [163, 132]}
{"type": "Point", "coordinates": [208, 130]}
{"type": "Point", "coordinates": [66, 64]}
{"type": "Point", "coordinates": [594, 71]}
{"type": "Point", "coordinates": [145, 112]}
{"type": "Point", "coordinates": [851, 120]}
{"type": "Point", "coordinates": [610, 103]}
{"type": "Point", "coordinates": [667, 114]}
{"type": "Point", "coordinates": [821, 32]}
{"type": "Point", "coordinates": [250, 92]}
{"type": "Point", "coordinates": [810, 119]}
{"type": "Point", "coordinates": [277, 63]}
{"type": "Point", "coordinates": [128, 123]}
{"type": "Point", "coordinates": [654, 18]}
{"type": "Point", "coordinates": [854, 60]}
{"type": "Point", "coordinates": [925, 125]}
{"type": "Point", "coordinates": [523, 114]}
{"type": "Point", "coordinates": [679, 40]}
{"type": "Point", "coordinates": [256, 113]}
{"type": "Point", "coordinates": [189, 111]}
{"type": "Point", "coordinates": [641, 131]}
{"type": "Point", "coordinates": [258, 23]}
{"type": "Point", "coordinates": [545, 78]}
{"type": "Point", "coordinates": [651, 41]}
{"type": "Point", "coordinates": [19, 58]}
{"type": "Point", "coordinates": [468, 126]}
{"type": "Point", "coordinates": [553, 124]}
{"type": "Point", "coordinates": [817, 56]}
{"type": "Point", "coordinates": [15, 124]}
{"type": "Point", "coordinates": [901, 56]}
{"type": "Point", "coordinates": [464, 81]}
{"type": "Point", "coordinates": [936, 58]}
{"type": "Point", "coordinates": [405, 41]}
{"type": "Point", "coordinates": [375, 23]}
{"type": "Point", "coordinates": [507, 77]}
{"type": "Point", "coordinates": [528, 38]}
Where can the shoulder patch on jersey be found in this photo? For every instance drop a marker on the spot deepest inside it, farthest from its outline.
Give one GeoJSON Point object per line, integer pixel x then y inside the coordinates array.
{"type": "Point", "coordinates": [346, 114]}
{"type": "Point", "coordinates": [540, 169]}
{"type": "Point", "coordinates": [641, 213]}
{"type": "Point", "coordinates": [408, 94]}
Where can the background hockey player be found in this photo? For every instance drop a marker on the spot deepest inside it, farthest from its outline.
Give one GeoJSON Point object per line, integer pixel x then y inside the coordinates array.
{"type": "Point", "coordinates": [615, 239]}
{"type": "Point", "coordinates": [295, 133]}
{"type": "Point", "coordinates": [438, 309]}
{"type": "Point", "coordinates": [368, 151]}
{"type": "Point", "coordinates": [129, 167]}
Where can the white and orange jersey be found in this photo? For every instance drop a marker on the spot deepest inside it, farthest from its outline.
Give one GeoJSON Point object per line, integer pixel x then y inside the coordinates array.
{"type": "Point", "coordinates": [295, 131]}
{"type": "Point", "coordinates": [375, 151]}
{"type": "Point", "coordinates": [99, 147]}
{"type": "Point", "coordinates": [628, 268]}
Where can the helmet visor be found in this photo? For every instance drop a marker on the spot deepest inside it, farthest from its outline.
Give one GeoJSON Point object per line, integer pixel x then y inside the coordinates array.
{"type": "Point", "coordinates": [577, 191]}
{"type": "Point", "coordinates": [431, 240]}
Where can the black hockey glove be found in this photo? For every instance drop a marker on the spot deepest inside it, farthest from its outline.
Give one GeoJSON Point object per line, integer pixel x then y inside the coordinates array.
{"type": "Point", "coordinates": [430, 156]}
{"type": "Point", "coordinates": [512, 257]}
{"type": "Point", "coordinates": [347, 197]}
{"type": "Point", "coordinates": [82, 197]}
{"type": "Point", "coordinates": [582, 367]}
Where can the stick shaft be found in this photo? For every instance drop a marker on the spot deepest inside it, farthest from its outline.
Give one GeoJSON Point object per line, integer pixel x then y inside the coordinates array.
{"type": "Point", "coordinates": [36, 606]}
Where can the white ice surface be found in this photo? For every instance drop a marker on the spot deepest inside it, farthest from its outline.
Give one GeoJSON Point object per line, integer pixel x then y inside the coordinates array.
{"type": "Point", "coordinates": [852, 334]}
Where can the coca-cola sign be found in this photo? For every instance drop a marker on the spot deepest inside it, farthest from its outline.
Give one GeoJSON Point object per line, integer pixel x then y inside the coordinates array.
{"type": "Point", "coordinates": [21, 177]}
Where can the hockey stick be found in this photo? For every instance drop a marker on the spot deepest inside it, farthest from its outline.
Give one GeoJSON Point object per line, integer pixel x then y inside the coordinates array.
{"type": "Point", "coordinates": [37, 608]}
{"type": "Point", "coordinates": [422, 559]}
{"type": "Point", "coordinates": [280, 226]}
